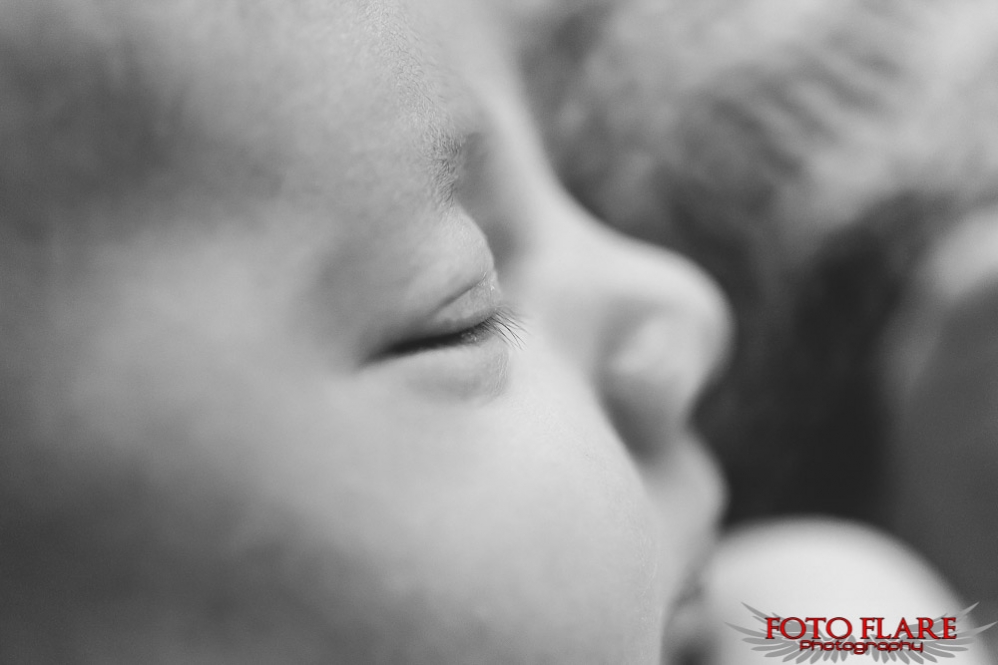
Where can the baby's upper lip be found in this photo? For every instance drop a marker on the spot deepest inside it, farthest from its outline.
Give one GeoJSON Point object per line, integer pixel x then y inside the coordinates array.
{"type": "Point", "coordinates": [702, 486]}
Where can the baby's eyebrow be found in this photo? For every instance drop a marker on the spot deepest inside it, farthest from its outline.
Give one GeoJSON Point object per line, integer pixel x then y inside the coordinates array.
{"type": "Point", "coordinates": [447, 148]}
{"type": "Point", "coordinates": [463, 121]}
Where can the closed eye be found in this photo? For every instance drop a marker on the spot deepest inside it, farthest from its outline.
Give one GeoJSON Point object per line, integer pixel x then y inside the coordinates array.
{"type": "Point", "coordinates": [502, 323]}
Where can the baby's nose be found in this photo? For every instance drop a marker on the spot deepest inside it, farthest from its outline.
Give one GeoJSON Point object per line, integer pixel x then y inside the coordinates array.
{"type": "Point", "coordinates": [646, 326]}
{"type": "Point", "coordinates": [673, 333]}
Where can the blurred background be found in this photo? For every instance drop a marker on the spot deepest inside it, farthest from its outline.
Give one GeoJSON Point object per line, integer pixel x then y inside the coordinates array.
{"type": "Point", "coordinates": [834, 165]}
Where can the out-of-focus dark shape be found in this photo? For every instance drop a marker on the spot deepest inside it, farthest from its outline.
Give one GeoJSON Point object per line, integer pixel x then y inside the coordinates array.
{"type": "Point", "coordinates": [813, 157]}
{"type": "Point", "coordinates": [942, 370]}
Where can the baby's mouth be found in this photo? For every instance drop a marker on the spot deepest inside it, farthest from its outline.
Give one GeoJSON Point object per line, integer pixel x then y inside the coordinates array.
{"type": "Point", "coordinates": [687, 639]}
{"type": "Point", "coordinates": [687, 636]}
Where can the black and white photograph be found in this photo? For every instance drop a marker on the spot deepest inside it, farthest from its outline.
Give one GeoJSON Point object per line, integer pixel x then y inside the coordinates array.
{"type": "Point", "coordinates": [498, 332]}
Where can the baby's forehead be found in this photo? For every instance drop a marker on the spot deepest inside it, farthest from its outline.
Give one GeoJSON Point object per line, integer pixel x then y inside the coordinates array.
{"type": "Point", "coordinates": [102, 97]}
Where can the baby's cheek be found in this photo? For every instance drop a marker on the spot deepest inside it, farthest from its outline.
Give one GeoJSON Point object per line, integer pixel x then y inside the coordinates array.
{"type": "Point", "coordinates": [225, 485]}
{"type": "Point", "coordinates": [590, 527]}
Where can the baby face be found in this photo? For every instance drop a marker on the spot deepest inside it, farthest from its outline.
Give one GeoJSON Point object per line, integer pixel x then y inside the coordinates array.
{"type": "Point", "coordinates": [272, 405]}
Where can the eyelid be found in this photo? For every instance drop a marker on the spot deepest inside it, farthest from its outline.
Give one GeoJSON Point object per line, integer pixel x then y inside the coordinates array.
{"type": "Point", "coordinates": [461, 350]}
{"type": "Point", "coordinates": [469, 316]}
{"type": "Point", "coordinates": [467, 309]}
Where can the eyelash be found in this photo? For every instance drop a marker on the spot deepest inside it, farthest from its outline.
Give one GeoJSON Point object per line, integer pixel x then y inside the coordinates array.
{"type": "Point", "coordinates": [503, 323]}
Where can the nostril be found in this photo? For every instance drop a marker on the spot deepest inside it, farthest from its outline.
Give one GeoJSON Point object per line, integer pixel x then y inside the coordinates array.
{"type": "Point", "coordinates": [652, 376]}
